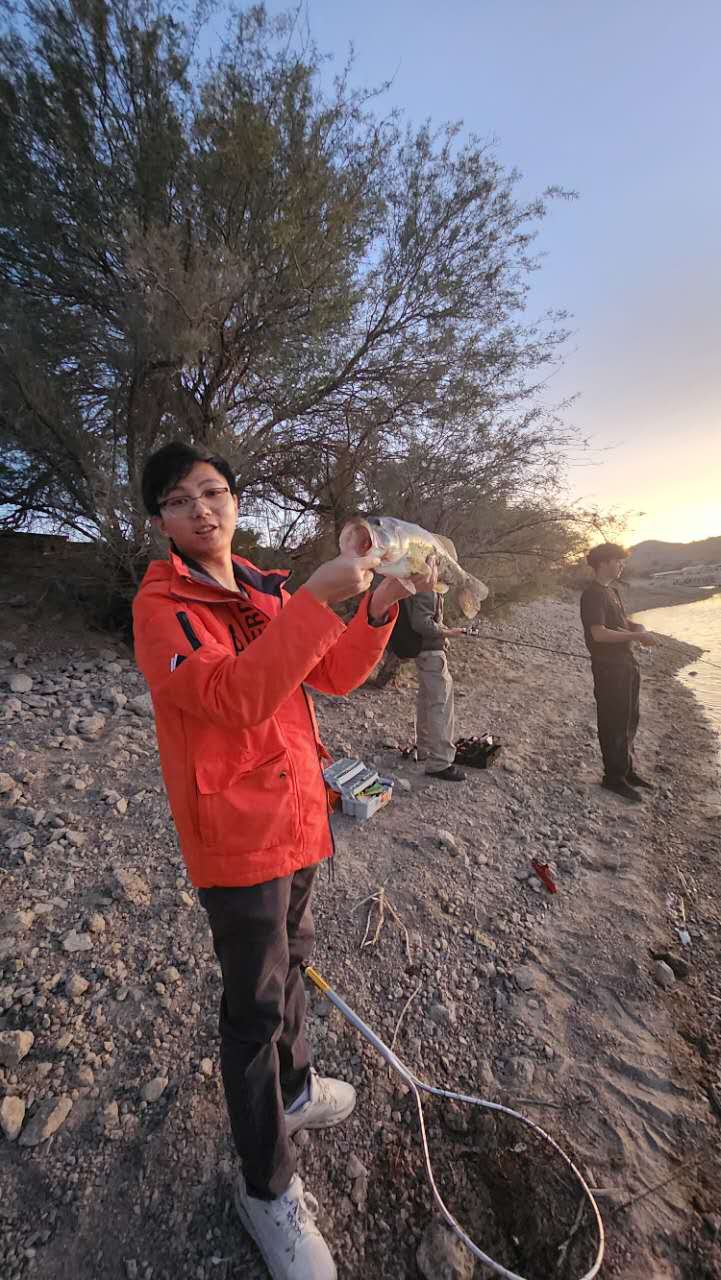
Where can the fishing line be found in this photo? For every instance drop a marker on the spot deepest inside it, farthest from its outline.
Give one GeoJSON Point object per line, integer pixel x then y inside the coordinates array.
{"type": "Point", "coordinates": [417, 1086]}
{"type": "Point", "coordinates": [567, 653]}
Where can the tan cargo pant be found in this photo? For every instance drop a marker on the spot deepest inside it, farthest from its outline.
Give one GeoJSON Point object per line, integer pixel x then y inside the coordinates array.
{"type": "Point", "coordinates": [435, 714]}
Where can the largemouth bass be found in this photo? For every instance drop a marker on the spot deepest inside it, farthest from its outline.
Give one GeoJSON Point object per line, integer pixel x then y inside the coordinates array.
{"type": "Point", "coordinates": [406, 549]}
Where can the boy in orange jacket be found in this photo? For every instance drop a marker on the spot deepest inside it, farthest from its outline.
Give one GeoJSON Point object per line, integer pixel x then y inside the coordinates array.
{"type": "Point", "coordinates": [227, 653]}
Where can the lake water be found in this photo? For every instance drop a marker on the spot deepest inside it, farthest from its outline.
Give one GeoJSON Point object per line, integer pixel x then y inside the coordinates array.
{"type": "Point", "coordinates": [700, 624]}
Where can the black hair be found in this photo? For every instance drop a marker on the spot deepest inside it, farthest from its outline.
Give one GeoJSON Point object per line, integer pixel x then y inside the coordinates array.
{"type": "Point", "coordinates": [606, 551]}
{"type": "Point", "coordinates": [168, 466]}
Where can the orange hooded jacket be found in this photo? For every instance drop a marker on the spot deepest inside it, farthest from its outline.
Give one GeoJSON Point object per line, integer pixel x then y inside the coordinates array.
{"type": "Point", "coordinates": [239, 744]}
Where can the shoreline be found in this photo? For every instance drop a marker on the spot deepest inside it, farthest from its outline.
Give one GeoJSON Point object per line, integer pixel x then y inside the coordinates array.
{"type": "Point", "coordinates": [638, 596]}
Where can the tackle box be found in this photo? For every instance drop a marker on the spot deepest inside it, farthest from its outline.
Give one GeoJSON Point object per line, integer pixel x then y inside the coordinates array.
{"type": "Point", "coordinates": [351, 778]}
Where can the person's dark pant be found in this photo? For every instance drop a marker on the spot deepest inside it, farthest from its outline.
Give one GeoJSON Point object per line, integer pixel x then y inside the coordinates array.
{"type": "Point", "coordinates": [616, 686]}
{"type": "Point", "coordinates": [261, 934]}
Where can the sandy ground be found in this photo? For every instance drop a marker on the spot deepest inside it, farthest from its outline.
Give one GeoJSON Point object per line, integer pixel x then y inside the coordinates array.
{"type": "Point", "coordinates": [547, 1003]}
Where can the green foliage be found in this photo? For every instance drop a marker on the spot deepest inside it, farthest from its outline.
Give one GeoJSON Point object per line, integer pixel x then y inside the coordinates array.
{"type": "Point", "coordinates": [235, 256]}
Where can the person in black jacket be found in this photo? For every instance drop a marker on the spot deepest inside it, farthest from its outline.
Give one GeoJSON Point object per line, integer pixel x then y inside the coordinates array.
{"type": "Point", "coordinates": [616, 678]}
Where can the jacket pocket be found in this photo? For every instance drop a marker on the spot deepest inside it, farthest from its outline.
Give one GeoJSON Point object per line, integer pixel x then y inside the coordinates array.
{"type": "Point", "coordinates": [247, 805]}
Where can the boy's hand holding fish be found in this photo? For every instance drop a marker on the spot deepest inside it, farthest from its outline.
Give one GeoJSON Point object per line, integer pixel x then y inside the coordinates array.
{"type": "Point", "coordinates": [393, 589]}
{"type": "Point", "coordinates": [350, 575]}
{"type": "Point", "coordinates": [342, 578]}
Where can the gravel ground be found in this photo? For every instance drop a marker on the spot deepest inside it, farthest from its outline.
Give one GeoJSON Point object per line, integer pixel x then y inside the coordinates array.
{"type": "Point", "coordinates": [115, 1160]}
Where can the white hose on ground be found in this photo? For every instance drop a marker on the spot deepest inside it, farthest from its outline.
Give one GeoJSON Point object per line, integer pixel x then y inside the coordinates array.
{"type": "Point", "coordinates": [416, 1086]}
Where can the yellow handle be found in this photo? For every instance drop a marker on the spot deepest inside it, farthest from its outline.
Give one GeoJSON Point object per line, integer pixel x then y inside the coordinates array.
{"type": "Point", "coordinates": [316, 979]}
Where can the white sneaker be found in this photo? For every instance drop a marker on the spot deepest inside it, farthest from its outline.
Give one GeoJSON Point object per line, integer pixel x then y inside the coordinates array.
{"type": "Point", "coordinates": [286, 1234]}
{"type": "Point", "coordinates": [329, 1102]}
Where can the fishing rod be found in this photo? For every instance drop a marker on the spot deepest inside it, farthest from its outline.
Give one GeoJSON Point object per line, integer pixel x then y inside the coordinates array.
{"type": "Point", "coordinates": [417, 1086]}
{"type": "Point", "coordinates": [567, 653]}
{"type": "Point", "coordinates": [525, 644]}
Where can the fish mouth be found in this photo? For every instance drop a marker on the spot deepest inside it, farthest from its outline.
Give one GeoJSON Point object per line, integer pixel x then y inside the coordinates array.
{"type": "Point", "coordinates": [357, 538]}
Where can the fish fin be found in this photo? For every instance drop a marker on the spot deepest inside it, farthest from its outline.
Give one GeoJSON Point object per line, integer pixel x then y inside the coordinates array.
{"type": "Point", "coordinates": [447, 545]}
{"type": "Point", "coordinates": [442, 588]}
{"type": "Point", "coordinates": [409, 586]}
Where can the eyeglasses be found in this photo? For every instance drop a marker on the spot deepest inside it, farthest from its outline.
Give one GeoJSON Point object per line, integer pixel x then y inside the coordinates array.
{"type": "Point", "coordinates": [214, 497]}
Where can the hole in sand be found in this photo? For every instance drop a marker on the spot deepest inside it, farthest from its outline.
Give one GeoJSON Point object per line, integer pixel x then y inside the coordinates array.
{"type": "Point", "coordinates": [511, 1192]}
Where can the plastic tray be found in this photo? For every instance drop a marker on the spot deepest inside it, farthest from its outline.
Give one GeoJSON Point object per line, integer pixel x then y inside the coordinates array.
{"type": "Point", "coordinates": [347, 777]}
{"type": "Point", "coordinates": [364, 809]}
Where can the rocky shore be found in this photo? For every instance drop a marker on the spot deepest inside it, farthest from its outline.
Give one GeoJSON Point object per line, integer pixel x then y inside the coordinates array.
{"type": "Point", "coordinates": [641, 593]}
{"type": "Point", "coordinates": [584, 1009]}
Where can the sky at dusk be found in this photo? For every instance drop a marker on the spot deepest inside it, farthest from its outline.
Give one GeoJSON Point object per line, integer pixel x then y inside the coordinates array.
{"type": "Point", "coordinates": [621, 102]}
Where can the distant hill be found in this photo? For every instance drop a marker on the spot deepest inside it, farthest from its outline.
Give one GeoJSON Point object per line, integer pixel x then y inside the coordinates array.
{"type": "Point", "coordinates": [654, 557]}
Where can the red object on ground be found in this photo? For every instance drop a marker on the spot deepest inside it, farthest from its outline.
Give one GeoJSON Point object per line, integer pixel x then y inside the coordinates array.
{"type": "Point", "coordinates": [544, 875]}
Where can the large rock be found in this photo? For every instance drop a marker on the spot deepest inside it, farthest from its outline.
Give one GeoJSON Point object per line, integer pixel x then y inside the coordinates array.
{"type": "Point", "coordinates": [20, 682]}
{"type": "Point", "coordinates": [76, 985]}
{"type": "Point", "coordinates": [447, 840]}
{"type": "Point", "coordinates": [12, 1114]}
{"type": "Point", "coordinates": [21, 840]}
{"type": "Point", "coordinates": [91, 726]}
{"type": "Point", "coordinates": [441, 1256]}
{"type": "Point", "coordinates": [525, 977]}
{"type": "Point", "coordinates": [664, 975]}
{"type": "Point", "coordinates": [14, 1045]}
{"type": "Point", "coordinates": [50, 1115]}
{"type": "Point", "coordinates": [6, 784]}
{"type": "Point", "coordinates": [142, 705]}
{"type": "Point", "coordinates": [17, 922]}
{"type": "Point", "coordinates": [355, 1168]}
{"type": "Point", "coordinates": [75, 941]}
{"type": "Point", "coordinates": [130, 885]}
{"type": "Point", "coordinates": [444, 1015]}
{"type": "Point", "coordinates": [154, 1089]}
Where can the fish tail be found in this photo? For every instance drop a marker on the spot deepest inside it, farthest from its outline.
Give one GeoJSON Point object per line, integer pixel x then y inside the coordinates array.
{"type": "Point", "coordinates": [471, 595]}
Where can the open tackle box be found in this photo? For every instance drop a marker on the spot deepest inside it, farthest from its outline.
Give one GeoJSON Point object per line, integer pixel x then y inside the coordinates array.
{"type": "Point", "coordinates": [361, 789]}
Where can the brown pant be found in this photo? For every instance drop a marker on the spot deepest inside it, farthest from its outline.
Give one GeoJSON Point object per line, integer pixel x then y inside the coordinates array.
{"type": "Point", "coordinates": [261, 935]}
{"type": "Point", "coordinates": [435, 713]}
{"type": "Point", "coordinates": [616, 687]}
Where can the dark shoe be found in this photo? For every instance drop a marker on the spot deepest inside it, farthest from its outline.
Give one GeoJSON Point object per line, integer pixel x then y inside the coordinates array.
{"type": "Point", "coordinates": [622, 789]}
{"type": "Point", "coordinates": [450, 774]}
{"type": "Point", "coordinates": [635, 780]}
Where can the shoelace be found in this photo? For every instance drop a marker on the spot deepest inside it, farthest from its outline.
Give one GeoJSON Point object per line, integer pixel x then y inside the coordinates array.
{"type": "Point", "coordinates": [299, 1216]}
{"type": "Point", "coordinates": [295, 1216]}
{"type": "Point", "coordinates": [322, 1091]}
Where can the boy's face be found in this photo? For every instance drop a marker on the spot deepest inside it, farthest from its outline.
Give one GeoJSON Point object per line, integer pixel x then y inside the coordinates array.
{"type": "Point", "coordinates": [609, 570]}
{"type": "Point", "coordinates": [199, 514]}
